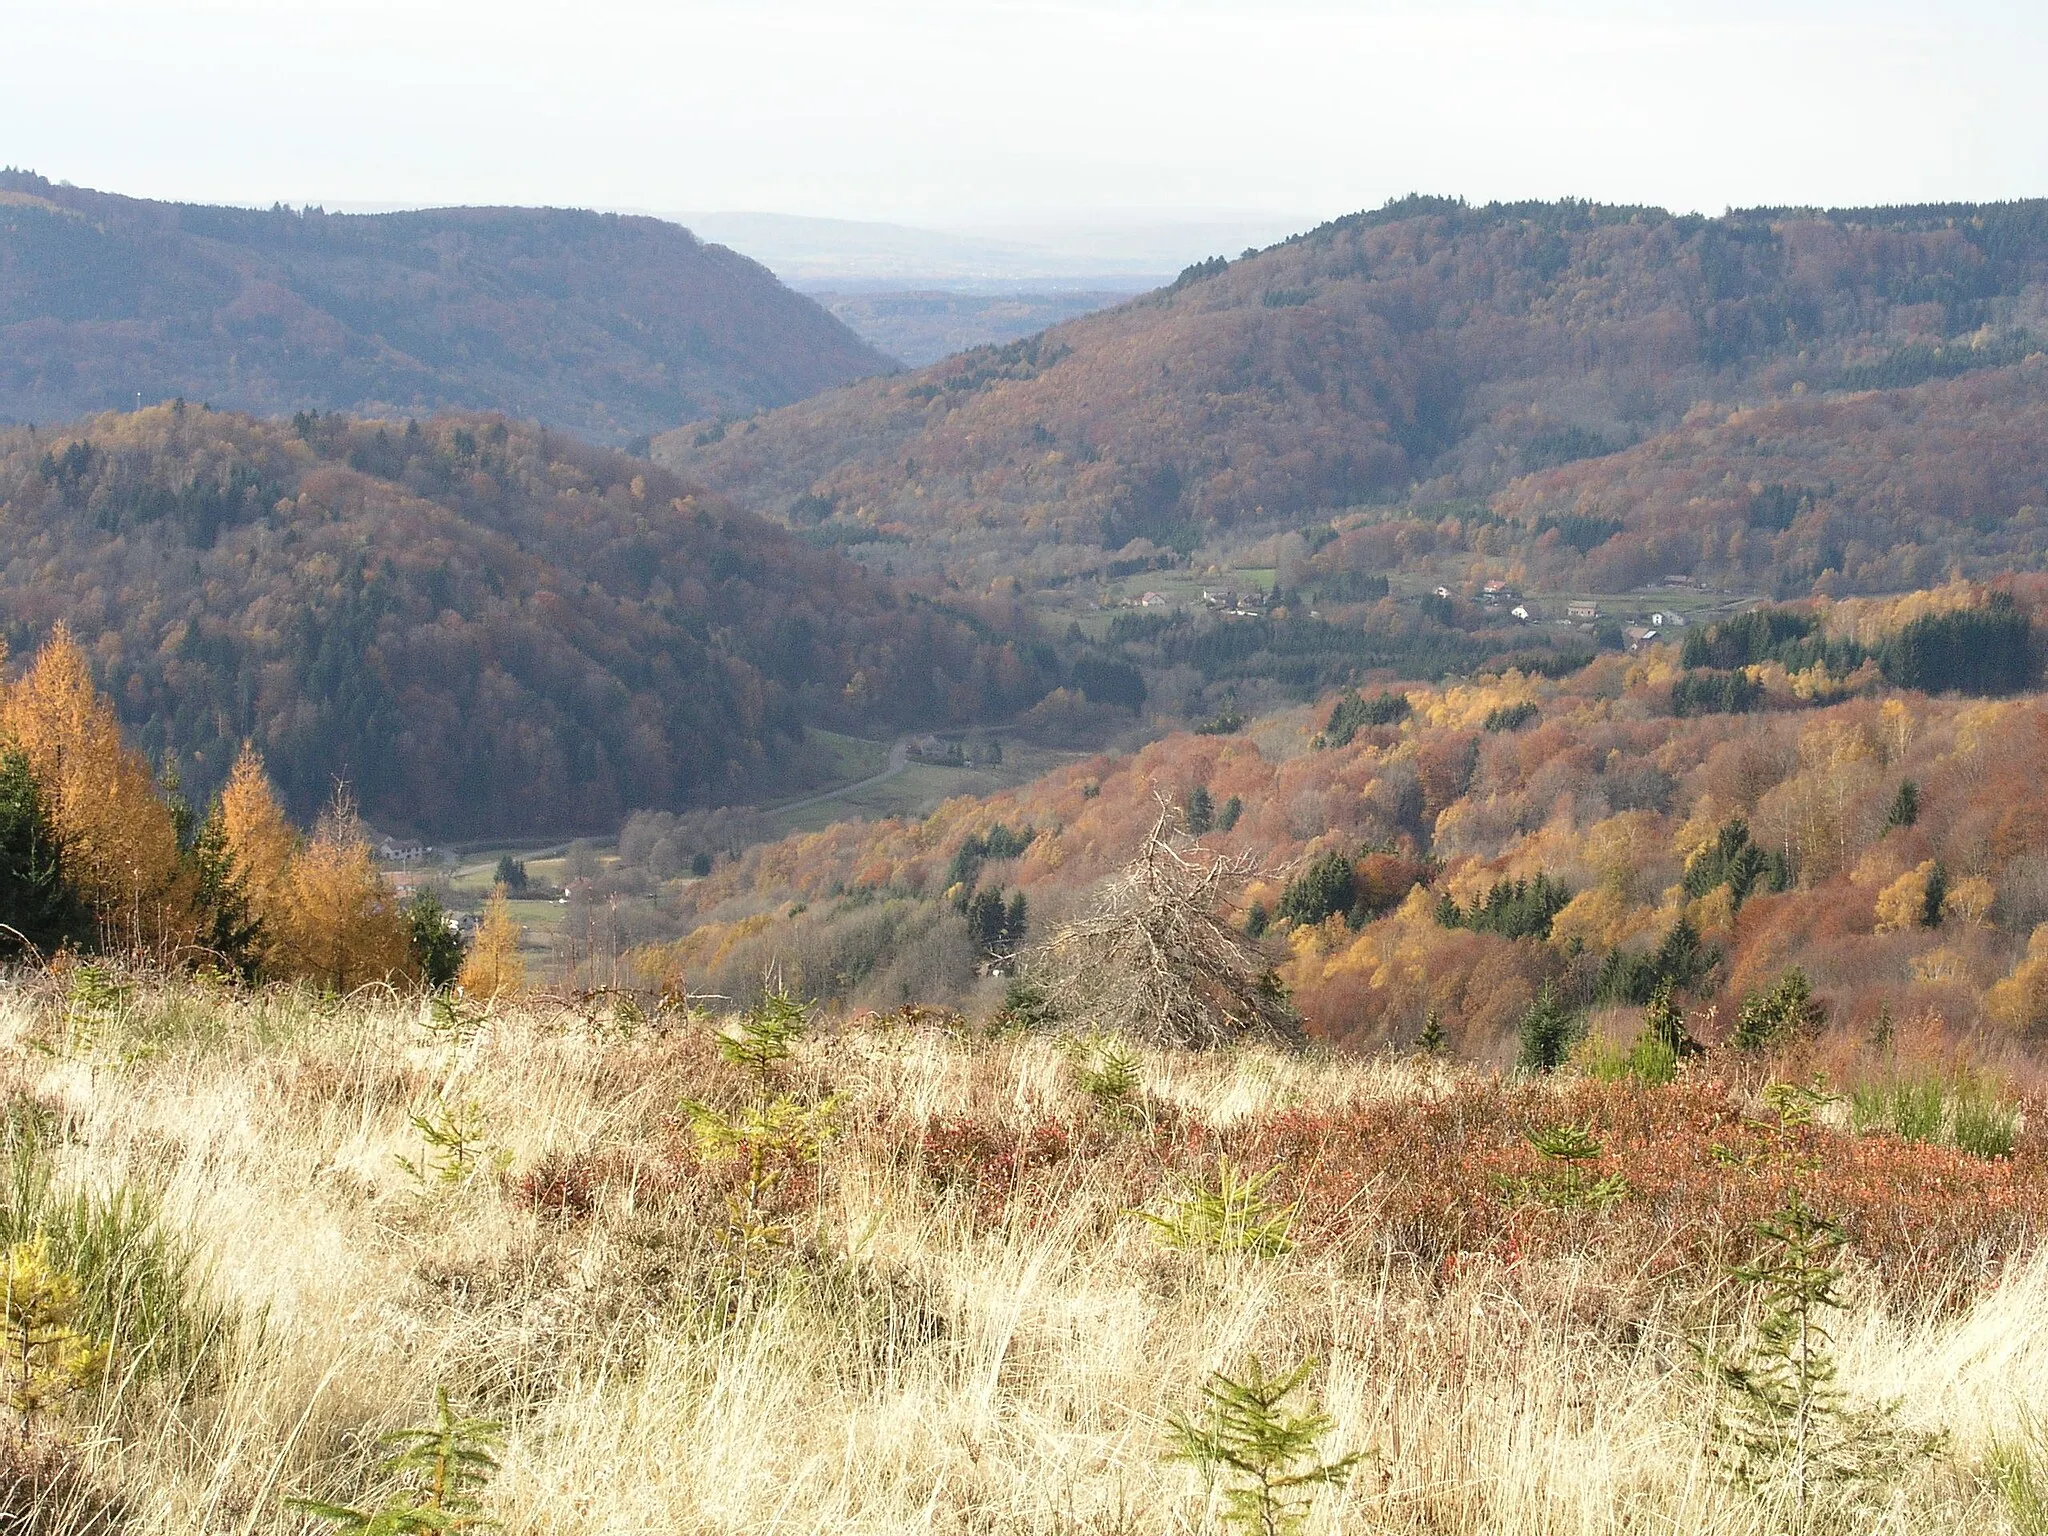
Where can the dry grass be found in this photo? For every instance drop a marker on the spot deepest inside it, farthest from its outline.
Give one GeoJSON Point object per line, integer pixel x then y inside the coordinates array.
{"type": "Point", "coordinates": [967, 1332]}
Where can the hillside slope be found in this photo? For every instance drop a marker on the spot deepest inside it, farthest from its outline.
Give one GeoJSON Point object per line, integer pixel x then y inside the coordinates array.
{"type": "Point", "coordinates": [1776, 837]}
{"type": "Point", "coordinates": [608, 326]}
{"type": "Point", "coordinates": [1873, 491]}
{"type": "Point", "coordinates": [481, 626]}
{"type": "Point", "coordinates": [1428, 345]}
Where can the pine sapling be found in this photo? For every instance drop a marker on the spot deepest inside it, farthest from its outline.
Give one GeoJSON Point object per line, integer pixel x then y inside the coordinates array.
{"type": "Point", "coordinates": [48, 1359]}
{"type": "Point", "coordinates": [456, 1149]}
{"type": "Point", "coordinates": [760, 1040]}
{"type": "Point", "coordinates": [453, 1020]}
{"type": "Point", "coordinates": [1433, 1041]}
{"type": "Point", "coordinates": [1232, 1215]}
{"type": "Point", "coordinates": [443, 1467]}
{"type": "Point", "coordinates": [770, 1140]}
{"type": "Point", "coordinates": [1566, 1182]}
{"type": "Point", "coordinates": [1271, 1457]}
{"type": "Point", "coordinates": [1106, 1072]}
{"type": "Point", "coordinates": [1784, 1422]}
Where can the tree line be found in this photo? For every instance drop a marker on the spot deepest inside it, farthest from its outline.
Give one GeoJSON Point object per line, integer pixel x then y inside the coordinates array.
{"type": "Point", "coordinates": [98, 855]}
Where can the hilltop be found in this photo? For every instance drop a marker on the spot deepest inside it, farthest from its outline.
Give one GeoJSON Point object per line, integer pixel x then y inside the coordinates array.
{"type": "Point", "coordinates": [1424, 353]}
{"type": "Point", "coordinates": [480, 625]}
{"type": "Point", "coordinates": [613, 327]}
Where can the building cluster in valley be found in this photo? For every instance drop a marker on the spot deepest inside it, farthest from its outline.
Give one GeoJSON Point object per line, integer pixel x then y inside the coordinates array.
{"type": "Point", "coordinates": [1641, 627]}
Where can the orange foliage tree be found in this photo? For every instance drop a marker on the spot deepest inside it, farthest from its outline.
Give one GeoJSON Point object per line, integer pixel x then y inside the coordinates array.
{"type": "Point", "coordinates": [493, 968]}
{"type": "Point", "coordinates": [344, 927]}
{"type": "Point", "coordinates": [120, 841]}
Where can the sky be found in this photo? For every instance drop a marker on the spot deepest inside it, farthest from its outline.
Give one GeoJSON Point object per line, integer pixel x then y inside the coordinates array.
{"type": "Point", "coordinates": [975, 114]}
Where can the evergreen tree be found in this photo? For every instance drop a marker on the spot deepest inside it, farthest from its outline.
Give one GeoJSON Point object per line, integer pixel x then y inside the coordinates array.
{"type": "Point", "coordinates": [229, 929]}
{"type": "Point", "coordinates": [1905, 807]}
{"type": "Point", "coordinates": [38, 908]}
{"type": "Point", "coordinates": [437, 949]}
{"type": "Point", "coordinates": [1937, 893]}
{"type": "Point", "coordinates": [1271, 1456]}
{"type": "Point", "coordinates": [1664, 1022]}
{"type": "Point", "coordinates": [1787, 1012]}
{"type": "Point", "coordinates": [1327, 885]}
{"type": "Point", "coordinates": [1549, 1031]}
{"type": "Point", "coordinates": [1201, 810]}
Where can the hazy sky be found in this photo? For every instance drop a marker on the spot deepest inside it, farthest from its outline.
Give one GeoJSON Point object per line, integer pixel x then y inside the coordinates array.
{"type": "Point", "coordinates": [969, 112]}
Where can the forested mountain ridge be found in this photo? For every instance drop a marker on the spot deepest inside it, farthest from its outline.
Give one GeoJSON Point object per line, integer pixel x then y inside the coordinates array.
{"type": "Point", "coordinates": [1429, 348]}
{"type": "Point", "coordinates": [613, 327]}
{"type": "Point", "coordinates": [481, 626]}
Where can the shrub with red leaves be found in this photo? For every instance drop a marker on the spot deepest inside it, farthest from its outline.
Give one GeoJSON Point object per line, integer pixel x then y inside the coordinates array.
{"type": "Point", "coordinates": [1432, 1177]}
{"type": "Point", "coordinates": [560, 1187]}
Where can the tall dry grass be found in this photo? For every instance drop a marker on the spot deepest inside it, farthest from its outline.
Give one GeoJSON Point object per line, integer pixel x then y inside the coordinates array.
{"type": "Point", "coordinates": [953, 1340]}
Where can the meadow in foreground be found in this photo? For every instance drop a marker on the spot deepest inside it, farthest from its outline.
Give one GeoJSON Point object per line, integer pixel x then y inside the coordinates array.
{"type": "Point", "coordinates": [886, 1275]}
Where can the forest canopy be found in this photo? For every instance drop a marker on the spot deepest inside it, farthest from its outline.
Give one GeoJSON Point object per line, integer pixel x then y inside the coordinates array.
{"type": "Point", "coordinates": [613, 327]}
{"type": "Point", "coordinates": [477, 624]}
{"type": "Point", "coordinates": [1538, 353]}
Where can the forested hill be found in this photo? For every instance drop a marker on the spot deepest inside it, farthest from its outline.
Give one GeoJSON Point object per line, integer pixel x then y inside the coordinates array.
{"type": "Point", "coordinates": [607, 326]}
{"type": "Point", "coordinates": [1429, 347]}
{"type": "Point", "coordinates": [481, 626]}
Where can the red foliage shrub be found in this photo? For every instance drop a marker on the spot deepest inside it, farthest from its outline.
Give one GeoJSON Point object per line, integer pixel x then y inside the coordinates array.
{"type": "Point", "coordinates": [1429, 1178]}
{"type": "Point", "coordinates": [561, 1186]}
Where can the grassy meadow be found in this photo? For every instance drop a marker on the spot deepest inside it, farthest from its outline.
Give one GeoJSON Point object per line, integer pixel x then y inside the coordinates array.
{"type": "Point", "coordinates": [899, 1281]}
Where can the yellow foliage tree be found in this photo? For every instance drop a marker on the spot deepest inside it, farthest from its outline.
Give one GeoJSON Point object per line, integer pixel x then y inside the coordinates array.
{"type": "Point", "coordinates": [343, 926]}
{"type": "Point", "coordinates": [1903, 903]}
{"type": "Point", "coordinates": [2020, 1001]}
{"type": "Point", "coordinates": [262, 845]}
{"type": "Point", "coordinates": [1969, 901]}
{"type": "Point", "coordinates": [493, 968]}
{"type": "Point", "coordinates": [120, 843]}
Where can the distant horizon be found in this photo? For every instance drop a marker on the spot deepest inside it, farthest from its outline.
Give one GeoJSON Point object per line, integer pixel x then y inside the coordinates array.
{"type": "Point", "coordinates": [976, 115]}
{"type": "Point", "coordinates": [1125, 249]}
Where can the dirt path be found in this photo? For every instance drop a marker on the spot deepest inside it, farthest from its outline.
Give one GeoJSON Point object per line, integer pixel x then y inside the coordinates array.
{"type": "Point", "coordinates": [899, 759]}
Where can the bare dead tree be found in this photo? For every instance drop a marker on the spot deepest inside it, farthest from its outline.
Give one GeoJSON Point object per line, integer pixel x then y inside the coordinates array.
{"type": "Point", "coordinates": [1157, 961]}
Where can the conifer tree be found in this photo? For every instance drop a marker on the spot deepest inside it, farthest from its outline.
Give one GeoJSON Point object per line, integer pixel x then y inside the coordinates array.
{"type": "Point", "coordinates": [493, 968]}
{"type": "Point", "coordinates": [1784, 1420]}
{"type": "Point", "coordinates": [345, 927]}
{"type": "Point", "coordinates": [119, 840]}
{"type": "Point", "coordinates": [442, 1466]}
{"type": "Point", "coordinates": [1272, 1455]}
{"type": "Point", "coordinates": [38, 908]}
{"type": "Point", "coordinates": [47, 1358]}
{"type": "Point", "coordinates": [1549, 1031]}
{"type": "Point", "coordinates": [261, 846]}
{"type": "Point", "coordinates": [229, 930]}
{"type": "Point", "coordinates": [437, 950]}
